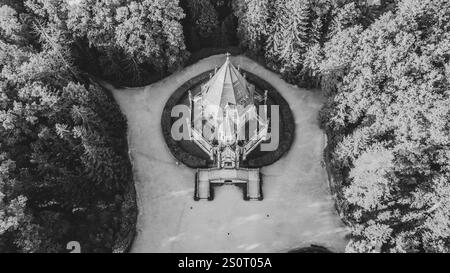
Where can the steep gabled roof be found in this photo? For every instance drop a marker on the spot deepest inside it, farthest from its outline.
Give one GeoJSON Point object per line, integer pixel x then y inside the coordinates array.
{"type": "Point", "coordinates": [226, 87]}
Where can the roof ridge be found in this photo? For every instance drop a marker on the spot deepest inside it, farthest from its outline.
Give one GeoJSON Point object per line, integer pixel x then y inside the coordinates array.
{"type": "Point", "coordinates": [227, 86]}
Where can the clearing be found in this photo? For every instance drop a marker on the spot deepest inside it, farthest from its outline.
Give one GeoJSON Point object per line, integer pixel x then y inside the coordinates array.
{"type": "Point", "coordinates": [297, 209]}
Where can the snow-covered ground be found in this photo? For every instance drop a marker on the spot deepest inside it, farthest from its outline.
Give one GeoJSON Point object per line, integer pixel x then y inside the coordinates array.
{"type": "Point", "coordinates": [297, 209]}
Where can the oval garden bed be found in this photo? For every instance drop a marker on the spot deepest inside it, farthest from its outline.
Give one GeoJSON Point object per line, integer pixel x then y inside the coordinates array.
{"type": "Point", "coordinates": [192, 156]}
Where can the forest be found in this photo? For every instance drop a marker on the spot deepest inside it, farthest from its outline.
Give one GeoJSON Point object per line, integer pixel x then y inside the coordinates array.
{"type": "Point", "coordinates": [383, 67]}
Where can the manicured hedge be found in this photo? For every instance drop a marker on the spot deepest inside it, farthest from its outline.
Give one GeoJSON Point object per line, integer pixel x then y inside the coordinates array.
{"type": "Point", "coordinates": [255, 160]}
{"type": "Point", "coordinates": [180, 154]}
{"type": "Point", "coordinates": [287, 124]}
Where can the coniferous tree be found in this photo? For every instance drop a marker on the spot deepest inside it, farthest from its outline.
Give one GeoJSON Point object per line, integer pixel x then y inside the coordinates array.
{"type": "Point", "coordinates": [253, 17]}
{"type": "Point", "coordinates": [289, 37]}
{"type": "Point", "coordinates": [62, 143]}
{"type": "Point", "coordinates": [388, 116]}
{"type": "Point", "coordinates": [201, 24]}
{"type": "Point", "coordinates": [134, 40]}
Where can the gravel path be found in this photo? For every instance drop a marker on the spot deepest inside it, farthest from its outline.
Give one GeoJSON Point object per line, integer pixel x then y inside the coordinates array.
{"type": "Point", "coordinates": [297, 209]}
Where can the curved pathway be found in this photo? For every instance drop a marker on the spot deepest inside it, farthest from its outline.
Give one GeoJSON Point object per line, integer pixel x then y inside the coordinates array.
{"type": "Point", "coordinates": [297, 209]}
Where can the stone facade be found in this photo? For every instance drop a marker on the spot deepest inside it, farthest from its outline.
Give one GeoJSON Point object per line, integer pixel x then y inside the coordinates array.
{"type": "Point", "coordinates": [228, 121]}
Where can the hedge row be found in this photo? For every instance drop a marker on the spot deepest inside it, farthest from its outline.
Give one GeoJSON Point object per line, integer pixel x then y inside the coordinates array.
{"type": "Point", "coordinates": [287, 124]}
{"type": "Point", "coordinates": [166, 123]}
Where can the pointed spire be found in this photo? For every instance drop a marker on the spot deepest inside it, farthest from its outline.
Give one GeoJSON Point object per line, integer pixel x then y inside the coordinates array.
{"type": "Point", "coordinates": [227, 86]}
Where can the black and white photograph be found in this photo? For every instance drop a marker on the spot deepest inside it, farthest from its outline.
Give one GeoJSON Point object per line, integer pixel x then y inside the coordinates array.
{"type": "Point", "coordinates": [244, 127]}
